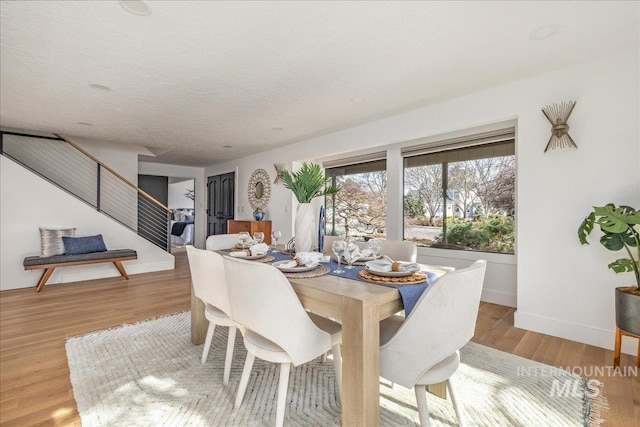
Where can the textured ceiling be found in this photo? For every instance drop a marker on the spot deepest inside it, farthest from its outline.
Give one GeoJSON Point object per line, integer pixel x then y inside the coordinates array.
{"type": "Point", "coordinates": [193, 77]}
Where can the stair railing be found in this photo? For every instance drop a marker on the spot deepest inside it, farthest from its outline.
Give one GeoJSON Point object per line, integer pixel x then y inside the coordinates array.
{"type": "Point", "coordinates": [67, 165]}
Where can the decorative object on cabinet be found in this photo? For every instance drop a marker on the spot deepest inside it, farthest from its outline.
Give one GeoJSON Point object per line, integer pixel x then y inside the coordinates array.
{"type": "Point", "coordinates": [279, 171]}
{"type": "Point", "coordinates": [259, 189]}
{"type": "Point", "coordinates": [258, 214]}
{"type": "Point", "coordinates": [236, 226]}
{"type": "Point", "coordinates": [558, 115]}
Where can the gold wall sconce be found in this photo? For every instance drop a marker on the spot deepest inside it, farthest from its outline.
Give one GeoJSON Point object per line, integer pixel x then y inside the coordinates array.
{"type": "Point", "coordinates": [558, 115]}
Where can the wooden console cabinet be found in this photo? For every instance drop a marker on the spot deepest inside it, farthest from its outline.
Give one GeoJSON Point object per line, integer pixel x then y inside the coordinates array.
{"type": "Point", "coordinates": [234, 227]}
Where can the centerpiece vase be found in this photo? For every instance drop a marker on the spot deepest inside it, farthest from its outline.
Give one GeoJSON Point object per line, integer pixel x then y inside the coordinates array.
{"type": "Point", "coordinates": [304, 227]}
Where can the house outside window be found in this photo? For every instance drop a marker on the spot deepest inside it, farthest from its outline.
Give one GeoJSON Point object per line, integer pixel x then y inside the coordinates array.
{"type": "Point", "coordinates": [359, 209]}
{"type": "Point", "coordinates": [460, 194]}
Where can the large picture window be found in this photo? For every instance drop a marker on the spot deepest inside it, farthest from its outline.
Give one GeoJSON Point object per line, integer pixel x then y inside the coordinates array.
{"type": "Point", "coordinates": [359, 209]}
{"type": "Point", "coordinates": [461, 195]}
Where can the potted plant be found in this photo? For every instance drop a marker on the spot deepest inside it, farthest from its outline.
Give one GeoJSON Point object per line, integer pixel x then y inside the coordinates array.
{"type": "Point", "coordinates": [619, 227]}
{"type": "Point", "coordinates": [306, 183]}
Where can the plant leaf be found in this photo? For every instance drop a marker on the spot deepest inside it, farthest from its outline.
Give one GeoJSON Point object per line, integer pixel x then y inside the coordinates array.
{"type": "Point", "coordinates": [615, 220]}
{"type": "Point", "coordinates": [585, 228]}
{"type": "Point", "coordinates": [612, 241]}
{"type": "Point", "coordinates": [622, 265]}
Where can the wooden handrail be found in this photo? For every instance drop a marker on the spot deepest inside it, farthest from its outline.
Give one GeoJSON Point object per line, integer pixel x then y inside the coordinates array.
{"type": "Point", "coordinates": [126, 181]}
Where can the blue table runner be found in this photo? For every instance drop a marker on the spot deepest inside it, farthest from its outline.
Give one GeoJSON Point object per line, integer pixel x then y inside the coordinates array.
{"type": "Point", "coordinates": [410, 294]}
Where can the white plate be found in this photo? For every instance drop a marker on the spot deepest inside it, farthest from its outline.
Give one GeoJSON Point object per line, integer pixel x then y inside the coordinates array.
{"type": "Point", "coordinates": [298, 269]}
{"type": "Point", "coordinates": [237, 255]}
{"type": "Point", "coordinates": [391, 273]}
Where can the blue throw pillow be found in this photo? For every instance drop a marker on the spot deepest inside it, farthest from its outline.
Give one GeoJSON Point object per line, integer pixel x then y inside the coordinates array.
{"type": "Point", "coordinates": [83, 245]}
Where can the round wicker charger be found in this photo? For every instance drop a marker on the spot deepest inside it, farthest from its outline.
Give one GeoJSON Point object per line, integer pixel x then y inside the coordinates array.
{"type": "Point", "coordinates": [414, 279]}
{"type": "Point", "coordinates": [320, 270]}
{"type": "Point", "coordinates": [266, 258]}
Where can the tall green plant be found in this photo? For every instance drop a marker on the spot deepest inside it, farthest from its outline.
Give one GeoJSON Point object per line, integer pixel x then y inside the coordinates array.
{"type": "Point", "coordinates": [308, 182]}
{"type": "Point", "coordinates": [618, 225]}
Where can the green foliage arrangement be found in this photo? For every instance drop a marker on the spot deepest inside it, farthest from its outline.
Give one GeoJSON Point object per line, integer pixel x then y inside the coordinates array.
{"type": "Point", "coordinates": [619, 228]}
{"type": "Point", "coordinates": [308, 182]}
{"type": "Point", "coordinates": [491, 233]}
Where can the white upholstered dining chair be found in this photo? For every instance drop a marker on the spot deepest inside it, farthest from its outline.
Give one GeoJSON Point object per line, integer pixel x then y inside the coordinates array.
{"type": "Point", "coordinates": [221, 241]}
{"type": "Point", "coordinates": [276, 327]}
{"type": "Point", "coordinates": [399, 250]}
{"type": "Point", "coordinates": [423, 349]}
{"type": "Point", "coordinates": [210, 286]}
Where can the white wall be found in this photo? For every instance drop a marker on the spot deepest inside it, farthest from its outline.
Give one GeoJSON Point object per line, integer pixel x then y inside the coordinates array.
{"type": "Point", "coordinates": [177, 191]}
{"type": "Point", "coordinates": [28, 201]}
{"type": "Point", "coordinates": [563, 289]}
{"type": "Point", "coordinates": [197, 174]}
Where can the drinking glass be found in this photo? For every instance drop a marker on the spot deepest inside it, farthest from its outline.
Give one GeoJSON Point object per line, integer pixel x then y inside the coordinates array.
{"type": "Point", "coordinates": [258, 237]}
{"type": "Point", "coordinates": [275, 235]}
{"type": "Point", "coordinates": [243, 237]}
{"type": "Point", "coordinates": [351, 246]}
{"type": "Point", "coordinates": [374, 246]}
{"type": "Point", "coordinates": [338, 247]}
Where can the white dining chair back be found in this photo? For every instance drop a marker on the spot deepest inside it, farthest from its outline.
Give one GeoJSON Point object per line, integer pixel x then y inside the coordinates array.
{"type": "Point", "coordinates": [276, 326]}
{"type": "Point", "coordinates": [221, 241]}
{"type": "Point", "coordinates": [423, 348]}
{"type": "Point", "coordinates": [264, 302]}
{"type": "Point", "coordinates": [399, 250]}
{"type": "Point", "coordinates": [210, 286]}
{"type": "Point", "coordinates": [208, 278]}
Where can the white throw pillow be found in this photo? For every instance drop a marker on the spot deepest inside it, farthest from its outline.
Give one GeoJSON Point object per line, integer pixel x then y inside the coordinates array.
{"type": "Point", "coordinates": [51, 240]}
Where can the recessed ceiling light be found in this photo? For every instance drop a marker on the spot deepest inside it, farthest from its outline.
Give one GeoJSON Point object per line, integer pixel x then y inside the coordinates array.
{"type": "Point", "coordinates": [137, 7]}
{"type": "Point", "coordinates": [227, 146]}
{"type": "Point", "coordinates": [277, 129]}
{"type": "Point", "coordinates": [85, 124]}
{"type": "Point", "coordinates": [544, 32]}
{"type": "Point", "coordinates": [357, 100]}
{"type": "Point", "coordinates": [100, 87]}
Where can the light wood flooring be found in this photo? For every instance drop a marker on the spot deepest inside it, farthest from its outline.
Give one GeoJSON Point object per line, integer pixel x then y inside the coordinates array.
{"type": "Point", "coordinates": [35, 389]}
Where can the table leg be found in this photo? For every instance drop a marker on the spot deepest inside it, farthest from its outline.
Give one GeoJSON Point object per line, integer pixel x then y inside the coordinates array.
{"type": "Point", "coordinates": [360, 363]}
{"type": "Point", "coordinates": [199, 323]}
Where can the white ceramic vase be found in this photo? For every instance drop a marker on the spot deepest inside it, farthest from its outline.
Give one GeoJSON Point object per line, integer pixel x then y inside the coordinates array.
{"type": "Point", "coordinates": [304, 227]}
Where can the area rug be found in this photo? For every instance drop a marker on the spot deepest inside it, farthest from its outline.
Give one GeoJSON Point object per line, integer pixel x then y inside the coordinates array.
{"type": "Point", "coordinates": [149, 374]}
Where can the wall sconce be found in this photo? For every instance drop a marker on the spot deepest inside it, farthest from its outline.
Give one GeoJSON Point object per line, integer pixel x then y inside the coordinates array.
{"type": "Point", "coordinates": [279, 171]}
{"type": "Point", "coordinates": [558, 116]}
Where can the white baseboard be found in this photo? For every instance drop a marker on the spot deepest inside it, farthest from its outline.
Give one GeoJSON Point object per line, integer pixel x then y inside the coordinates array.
{"type": "Point", "coordinates": [497, 297]}
{"type": "Point", "coordinates": [598, 337]}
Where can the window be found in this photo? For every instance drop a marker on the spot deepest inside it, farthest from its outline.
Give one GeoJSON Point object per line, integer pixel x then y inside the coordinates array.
{"type": "Point", "coordinates": [359, 209]}
{"type": "Point", "coordinates": [461, 194]}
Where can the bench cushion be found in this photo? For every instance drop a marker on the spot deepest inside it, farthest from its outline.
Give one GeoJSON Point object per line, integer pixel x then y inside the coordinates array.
{"type": "Point", "coordinates": [95, 256]}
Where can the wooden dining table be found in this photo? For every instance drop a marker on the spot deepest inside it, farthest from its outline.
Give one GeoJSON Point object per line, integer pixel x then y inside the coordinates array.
{"type": "Point", "coordinates": [359, 306]}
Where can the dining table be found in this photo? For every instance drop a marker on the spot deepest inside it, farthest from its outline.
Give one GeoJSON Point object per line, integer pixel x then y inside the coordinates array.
{"type": "Point", "coordinates": [359, 306]}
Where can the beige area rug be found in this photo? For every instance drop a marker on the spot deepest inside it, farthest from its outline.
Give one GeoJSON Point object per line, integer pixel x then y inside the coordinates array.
{"type": "Point", "coordinates": [149, 374]}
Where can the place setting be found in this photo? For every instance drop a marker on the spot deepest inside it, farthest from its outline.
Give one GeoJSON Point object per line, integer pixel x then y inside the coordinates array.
{"type": "Point", "coordinates": [388, 271]}
{"type": "Point", "coordinates": [304, 265]}
{"type": "Point", "coordinates": [251, 249]}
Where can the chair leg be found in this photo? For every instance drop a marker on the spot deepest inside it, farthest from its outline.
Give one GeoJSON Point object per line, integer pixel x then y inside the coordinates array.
{"type": "Point", "coordinates": [283, 385]}
{"type": "Point", "coordinates": [244, 380]}
{"type": "Point", "coordinates": [337, 365]}
{"type": "Point", "coordinates": [207, 342]}
{"type": "Point", "coordinates": [231, 342]}
{"type": "Point", "coordinates": [616, 351]}
{"type": "Point", "coordinates": [458, 410]}
{"type": "Point", "coordinates": [421, 400]}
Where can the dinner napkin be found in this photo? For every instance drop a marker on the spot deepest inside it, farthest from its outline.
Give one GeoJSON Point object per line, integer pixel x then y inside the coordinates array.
{"type": "Point", "coordinates": [309, 258]}
{"type": "Point", "coordinates": [385, 264]}
{"type": "Point", "coordinates": [290, 264]}
{"type": "Point", "coordinates": [238, 254]}
{"type": "Point", "coordinates": [259, 249]}
{"type": "Point", "coordinates": [360, 253]}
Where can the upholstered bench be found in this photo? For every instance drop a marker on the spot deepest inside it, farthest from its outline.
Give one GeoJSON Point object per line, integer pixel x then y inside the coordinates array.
{"type": "Point", "coordinates": [51, 262]}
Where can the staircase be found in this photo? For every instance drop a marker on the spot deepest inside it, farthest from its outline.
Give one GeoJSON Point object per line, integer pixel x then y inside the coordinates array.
{"type": "Point", "coordinates": [65, 164]}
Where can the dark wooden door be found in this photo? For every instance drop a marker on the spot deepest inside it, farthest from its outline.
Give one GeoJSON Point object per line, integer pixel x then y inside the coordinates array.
{"type": "Point", "coordinates": [220, 203]}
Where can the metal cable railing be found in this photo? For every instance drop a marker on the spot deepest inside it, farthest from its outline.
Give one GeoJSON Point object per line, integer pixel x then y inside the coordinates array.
{"type": "Point", "coordinates": [65, 164]}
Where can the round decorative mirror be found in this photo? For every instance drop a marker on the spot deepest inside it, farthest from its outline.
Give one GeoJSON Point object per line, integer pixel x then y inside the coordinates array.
{"type": "Point", "coordinates": [259, 189]}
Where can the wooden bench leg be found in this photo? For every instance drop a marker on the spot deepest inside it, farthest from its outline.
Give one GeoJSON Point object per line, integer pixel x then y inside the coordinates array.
{"type": "Point", "coordinates": [43, 279]}
{"type": "Point", "coordinates": [121, 269]}
{"type": "Point", "coordinates": [616, 351]}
